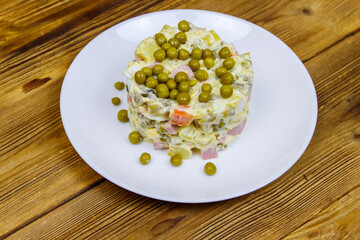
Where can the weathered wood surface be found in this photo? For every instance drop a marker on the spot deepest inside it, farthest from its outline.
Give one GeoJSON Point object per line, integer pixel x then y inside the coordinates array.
{"type": "Point", "coordinates": [47, 190]}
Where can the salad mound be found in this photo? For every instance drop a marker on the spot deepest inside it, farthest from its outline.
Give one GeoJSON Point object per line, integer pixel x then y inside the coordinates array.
{"type": "Point", "coordinates": [188, 90]}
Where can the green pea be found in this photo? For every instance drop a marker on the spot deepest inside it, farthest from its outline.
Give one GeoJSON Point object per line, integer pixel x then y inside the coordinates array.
{"type": "Point", "coordinates": [162, 77]}
{"type": "Point", "coordinates": [172, 53]}
{"type": "Point", "coordinates": [229, 63]}
{"type": "Point", "coordinates": [207, 53]}
{"type": "Point", "coordinates": [176, 160]}
{"type": "Point", "coordinates": [140, 77]}
{"type": "Point", "coordinates": [183, 26]}
{"type": "Point", "coordinates": [194, 64]}
{"type": "Point", "coordinates": [119, 85]}
{"type": "Point", "coordinates": [134, 137]}
{"type": "Point", "coordinates": [226, 91]}
{"type": "Point", "coordinates": [173, 94]}
{"type": "Point", "coordinates": [160, 55]}
{"type": "Point", "coordinates": [204, 97]}
{"type": "Point", "coordinates": [116, 101]}
{"type": "Point", "coordinates": [183, 98]}
{"type": "Point", "coordinates": [206, 87]}
{"type": "Point", "coordinates": [224, 52]}
{"type": "Point", "coordinates": [221, 125]}
{"type": "Point", "coordinates": [210, 168]}
{"type": "Point", "coordinates": [181, 76]}
{"type": "Point", "coordinates": [209, 62]}
{"type": "Point", "coordinates": [166, 46]}
{"type": "Point", "coordinates": [181, 36]}
{"type": "Point", "coordinates": [162, 91]}
{"type": "Point", "coordinates": [192, 82]}
{"type": "Point", "coordinates": [220, 71]}
{"type": "Point", "coordinates": [227, 79]}
{"type": "Point", "coordinates": [201, 75]}
{"type": "Point", "coordinates": [161, 40]}
{"type": "Point", "coordinates": [145, 158]}
{"type": "Point", "coordinates": [183, 54]}
{"type": "Point", "coordinates": [123, 115]}
{"type": "Point", "coordinates": [157, 69]}
{"type": "Point", "coordinates": [151, 82]}
{"type": "Point", "coordinates": [196, 53]}
{"type": "Point", "coordinates": [171, 84]}
{"type": "Point", "coordinates": [147, 71]}
{"type": "Point", "coordinates": [184, 86]}
{"type": "Point", "coordinates": [174, 42]}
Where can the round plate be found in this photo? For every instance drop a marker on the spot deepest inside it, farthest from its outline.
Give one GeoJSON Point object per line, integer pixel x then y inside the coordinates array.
{"type": "Point", "coordinates": [283, 113]}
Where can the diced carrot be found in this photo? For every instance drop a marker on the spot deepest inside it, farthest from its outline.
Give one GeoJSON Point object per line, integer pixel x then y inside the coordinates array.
{"type": "Point", "coordinates": [181, 117]}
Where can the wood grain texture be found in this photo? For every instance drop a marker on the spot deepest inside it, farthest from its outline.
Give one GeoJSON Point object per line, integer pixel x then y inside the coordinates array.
{"type": "Point", "coordinates": [339, 221]}
{"type": "Point", "coordinates": [47, 190]}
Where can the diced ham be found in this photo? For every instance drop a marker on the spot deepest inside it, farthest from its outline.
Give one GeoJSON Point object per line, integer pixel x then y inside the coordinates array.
{"type": "Point", "coordinates": [129, 100]}
{"type": "Point", "coordinates": [171, 128]}
{"type": "Point", "coordinates": [152, 64]}
{"type": "Point", "coordinates": [160, 145]}
{"type": "Point", "coordinates": [209, 153]}
{"type": "Point", "coordinates": [183, 68]}
{"type": "Point", "coordinates": [181, 117]}
{"type": "Point", "coordinates": [238, 129]}
{"type": "Point", "coordinates": [221, 138]}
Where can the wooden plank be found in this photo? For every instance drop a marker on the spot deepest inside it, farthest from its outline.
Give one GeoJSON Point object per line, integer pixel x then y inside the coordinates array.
{"type": "Point", "coordinates": [323, 174]}
{"type": "Point", "coordinates": [339, 221]}
{"type": "Point", "coordinates": [117, 209]}
{"type": "Point", "coordinates": [37, 48]}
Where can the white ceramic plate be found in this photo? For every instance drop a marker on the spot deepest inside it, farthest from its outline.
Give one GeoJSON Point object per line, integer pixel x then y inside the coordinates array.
{"type": "Point", "coordinates": [283, 113]}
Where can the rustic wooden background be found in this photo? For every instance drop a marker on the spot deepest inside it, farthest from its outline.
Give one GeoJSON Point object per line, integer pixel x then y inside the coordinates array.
{"type": "Point", "coordinates": [48, 191]}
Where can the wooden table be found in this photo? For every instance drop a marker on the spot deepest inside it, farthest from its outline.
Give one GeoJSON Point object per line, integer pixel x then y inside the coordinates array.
{"type": "Point", "coordinates": [48, 191]}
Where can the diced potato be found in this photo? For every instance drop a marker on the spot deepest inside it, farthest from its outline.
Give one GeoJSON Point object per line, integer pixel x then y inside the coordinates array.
{"type": "Point", "coordinates": [146, 49]}
{"type": "Point", "coordinates": [183, 150]}
{"type": "Point", "coordinates": [216, 36]}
